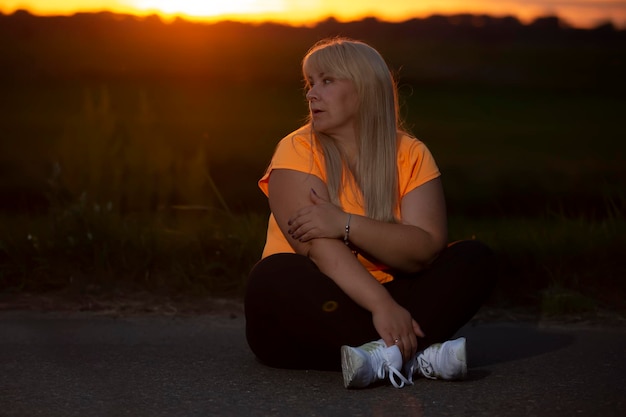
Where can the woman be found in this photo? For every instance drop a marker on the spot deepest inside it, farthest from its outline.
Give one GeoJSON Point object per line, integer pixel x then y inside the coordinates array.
{"type": "Point", "coordinates": [356, 270]}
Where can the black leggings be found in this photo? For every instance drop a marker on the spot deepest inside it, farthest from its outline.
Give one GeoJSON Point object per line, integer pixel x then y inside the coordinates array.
{"type": "Point", "coordinates": [297, 317]}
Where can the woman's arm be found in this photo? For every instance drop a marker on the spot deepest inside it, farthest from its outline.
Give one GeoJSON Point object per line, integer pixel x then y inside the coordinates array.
{"type": "Point", "coordinates": [407, 246]}
{"type": "Point", "coordinates": [289, 191]}
{"type": "Point", "coordinates": [411, 245]}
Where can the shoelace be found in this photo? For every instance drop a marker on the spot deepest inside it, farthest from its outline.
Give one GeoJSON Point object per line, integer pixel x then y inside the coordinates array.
{"type": "Point", "coordinates": [403, 380]}
{"type": "Point", "coordinates": [384, 367]}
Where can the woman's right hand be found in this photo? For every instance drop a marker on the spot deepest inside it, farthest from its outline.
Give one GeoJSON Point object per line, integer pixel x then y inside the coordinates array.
{"type": "Point", "coordinates": [321, 219]}
{"type": "Point", "coordinates": [395, 325]}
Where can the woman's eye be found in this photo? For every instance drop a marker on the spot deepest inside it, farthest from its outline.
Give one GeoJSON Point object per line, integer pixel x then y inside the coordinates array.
{"type": "Point", "coordinates": [327, 81]}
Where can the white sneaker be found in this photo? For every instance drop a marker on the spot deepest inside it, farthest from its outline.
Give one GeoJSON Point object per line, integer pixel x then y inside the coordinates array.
{"type": "Point", "coordinates": [446, 360]}
{"type": "Point", "coordinates": [371, 362]}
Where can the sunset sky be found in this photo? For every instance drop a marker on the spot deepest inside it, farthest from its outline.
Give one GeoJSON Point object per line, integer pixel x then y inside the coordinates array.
{"type": "Point", "coordinates": [581, 13]}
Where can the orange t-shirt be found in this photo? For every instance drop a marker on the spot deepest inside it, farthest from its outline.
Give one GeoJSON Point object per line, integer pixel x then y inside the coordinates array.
{"type": "Point", "coordinates": [298, 151]}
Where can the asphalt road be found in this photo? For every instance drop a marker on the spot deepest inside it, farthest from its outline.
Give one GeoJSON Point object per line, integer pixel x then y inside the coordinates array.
{"type": "Point", "coordinates": [84, 364]}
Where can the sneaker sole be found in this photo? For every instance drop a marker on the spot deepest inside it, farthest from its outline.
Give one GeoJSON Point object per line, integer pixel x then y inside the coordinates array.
{"type": "Point", "coordinates": [351, 363]}
{"type": "Point", "coordinates": [461, 354]}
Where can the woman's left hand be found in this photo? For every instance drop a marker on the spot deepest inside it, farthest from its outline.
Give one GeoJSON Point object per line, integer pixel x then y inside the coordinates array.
{"type": "Point", "coordinates": [322, 219]}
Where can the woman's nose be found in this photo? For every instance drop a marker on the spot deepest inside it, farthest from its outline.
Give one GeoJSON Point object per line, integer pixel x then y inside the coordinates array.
{"type": "Point", "coordinates": [311, 95]}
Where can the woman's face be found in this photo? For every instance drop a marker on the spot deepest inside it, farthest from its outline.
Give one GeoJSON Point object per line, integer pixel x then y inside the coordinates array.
{"type": "Point", "coordinates": [333, 103]}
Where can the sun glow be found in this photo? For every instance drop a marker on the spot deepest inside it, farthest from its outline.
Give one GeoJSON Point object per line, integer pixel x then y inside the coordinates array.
{"type": "Point", "coordinates": [583, 13]}
{"type": "Point", "coordinates": [210, 8]}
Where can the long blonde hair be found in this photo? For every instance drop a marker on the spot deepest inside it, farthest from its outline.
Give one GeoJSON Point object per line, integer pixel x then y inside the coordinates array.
{"type": "Point", "coordinates": [378, 123]}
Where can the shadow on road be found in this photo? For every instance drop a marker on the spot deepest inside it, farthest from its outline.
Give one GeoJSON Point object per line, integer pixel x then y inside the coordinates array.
{"type": "Point", "coordinates": [492, 344]}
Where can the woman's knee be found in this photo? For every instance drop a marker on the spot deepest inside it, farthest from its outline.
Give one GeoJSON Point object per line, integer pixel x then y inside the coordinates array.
{"type": "Point", "coordinates": [281, 280]}
{"type": "Point", "coordinates": [277, 271]}
{"type": "Point", "coordinates": [473, 259]}
{"type": "Point", "coordinates": [473, 248]}
{"type": "Point", "coordinates": [472, 252]}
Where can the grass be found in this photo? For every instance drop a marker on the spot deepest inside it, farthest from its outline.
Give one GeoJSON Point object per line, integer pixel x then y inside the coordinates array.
{"type": "Point", "coordinates": [129, 210]}
{"type": "Point", "coordinates": [134, 206]}
{"type": "Point", "coordinates": [88, 249]}
{"type": "Point", "coordinates": [555, 262]}
{"type": "Point", "coordinates": [559, 264]}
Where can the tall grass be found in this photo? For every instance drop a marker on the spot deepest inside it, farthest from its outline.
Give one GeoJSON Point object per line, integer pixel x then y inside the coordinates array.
{"type": "Point", "coordinates": [138, 200]}
{"type": "Point", "coordinates": [129, 210]}
{"type": "Point", "coordinates": [558, 262]}
{"type": "Point", "coordinates": [127, 162]}
{"type": "Point", "coordinates": [85, 249]}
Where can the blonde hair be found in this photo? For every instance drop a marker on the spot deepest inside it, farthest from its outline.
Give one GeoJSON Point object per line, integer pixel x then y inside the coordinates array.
{"type": "Point", "coordinates": [375, 173]}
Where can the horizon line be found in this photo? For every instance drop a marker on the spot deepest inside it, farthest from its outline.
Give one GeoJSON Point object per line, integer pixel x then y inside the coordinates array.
{"type": "Point", "coordinates": [172, 18]}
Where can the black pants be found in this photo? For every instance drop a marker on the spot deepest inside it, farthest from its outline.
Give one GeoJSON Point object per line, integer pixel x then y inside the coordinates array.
{"type": "Point", "coordinates": [297, 317]}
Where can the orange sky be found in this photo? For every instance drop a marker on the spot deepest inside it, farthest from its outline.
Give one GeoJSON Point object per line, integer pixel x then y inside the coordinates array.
{"type": "Point", "coordinates": [582, 13]}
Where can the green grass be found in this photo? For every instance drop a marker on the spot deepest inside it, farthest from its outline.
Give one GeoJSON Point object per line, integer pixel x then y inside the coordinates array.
{"type": "Point", "coordinates": [560, 264]}
{"type": "Point", "coordinates": [541, 258]}
{"type": "Point", "coordinates": [89, 249]}
{"type": "Point", "coordinates": [132, 205]}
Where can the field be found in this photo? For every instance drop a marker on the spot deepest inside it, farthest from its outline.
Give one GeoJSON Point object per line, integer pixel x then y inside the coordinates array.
{"type": "Point", "coordinates": [129, 161]}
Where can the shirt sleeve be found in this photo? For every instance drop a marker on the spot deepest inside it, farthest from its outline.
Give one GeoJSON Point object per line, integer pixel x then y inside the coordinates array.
{"type": "Point", "coordinates": [297, 152]}
{"type": "Point", "coordinates": [417, 165]}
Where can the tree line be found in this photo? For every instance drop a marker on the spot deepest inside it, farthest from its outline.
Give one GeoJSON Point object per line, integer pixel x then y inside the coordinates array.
{"type": "Point", "coordinates": [482, 48]}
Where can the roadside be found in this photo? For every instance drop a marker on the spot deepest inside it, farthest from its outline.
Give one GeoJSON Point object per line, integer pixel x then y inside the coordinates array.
{"type": "Point", "coordinates": [146, 304]}
{"type": "Point", "coordinates": [117, 304]}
